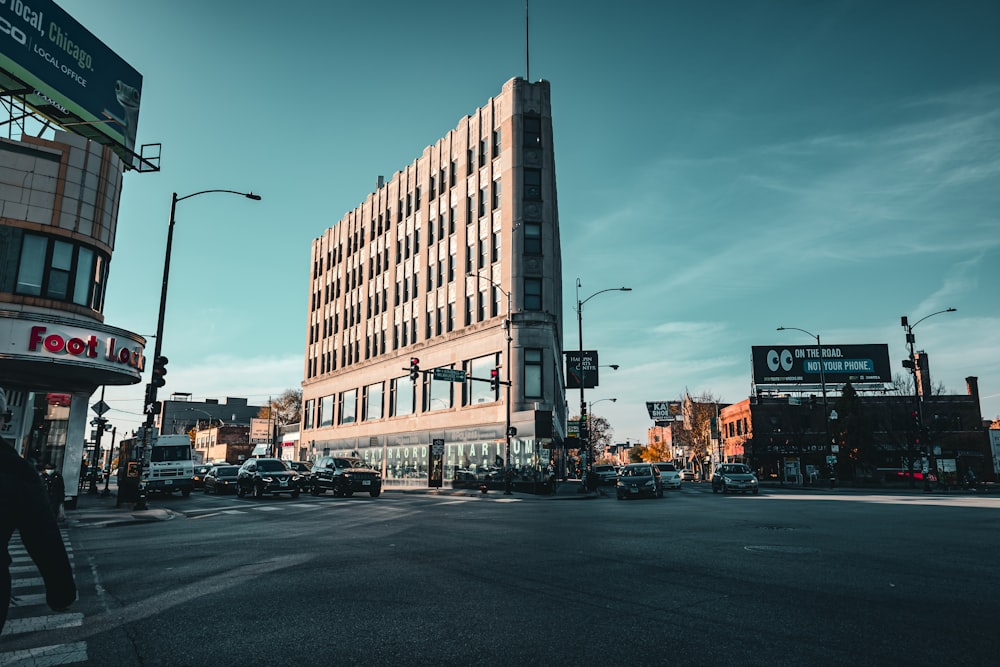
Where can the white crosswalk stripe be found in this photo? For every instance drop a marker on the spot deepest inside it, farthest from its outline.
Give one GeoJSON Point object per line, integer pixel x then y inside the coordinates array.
{"type": "Point", "coordinates": [61, 654]}
{"type": "Point", "coordinates": [29, 614]}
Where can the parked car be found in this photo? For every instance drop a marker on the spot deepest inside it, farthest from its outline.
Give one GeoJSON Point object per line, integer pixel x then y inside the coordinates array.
{"type": "Point", "coordinates": [344, 476]}
{"type": "Point", "coordinates": [221, 479]}
{"type": "Point", "coordinates": [607, 475]}
{"type": "Point", "coordinates": [734, 477]}
{"type": "Point", "coordinates": [258, 477]}
{"type": "Point", "coordinates": [638, 480]}
{"type": "Point", "coordinates": [687, 475]}
{"type": "Point", "coordinates": [198, 481]}
{"type": "Point", "coordinates": [669, 476]}
{"type": "Point", "coordinates": [304, 468]}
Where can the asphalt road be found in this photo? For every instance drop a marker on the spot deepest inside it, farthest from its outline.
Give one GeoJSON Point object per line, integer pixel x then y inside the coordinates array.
{"type": "Point", "coordinates": [783, 578]}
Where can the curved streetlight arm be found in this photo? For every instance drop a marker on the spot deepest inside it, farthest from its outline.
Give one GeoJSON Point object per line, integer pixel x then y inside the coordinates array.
{"type": "Point", "coordinates": [910, 326]}
{"type": "Point", "coordinates": [808, 333]}
{"type": "Point", "coordinates": [248, 195]}
{"type": "Point", "coordinates": [610, 289]}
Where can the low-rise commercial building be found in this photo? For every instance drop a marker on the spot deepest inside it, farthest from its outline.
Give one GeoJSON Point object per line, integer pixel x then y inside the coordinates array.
{"type": "Point", "coordinates": [868, 439]}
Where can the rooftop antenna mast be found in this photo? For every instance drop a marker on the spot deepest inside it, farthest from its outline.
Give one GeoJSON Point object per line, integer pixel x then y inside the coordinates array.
{"type": "Point", "coordinates": [527, 58]}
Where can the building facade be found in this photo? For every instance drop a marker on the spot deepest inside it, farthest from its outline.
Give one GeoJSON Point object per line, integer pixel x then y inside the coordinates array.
{"type": "Point", "coordinates": [870, 439]}
{"type": "Point", "coordinates": [453, 263]}
{"type": "Point", "coordinates": [58, 219]}
{"type": "Point", "coordinates": [179, 414]}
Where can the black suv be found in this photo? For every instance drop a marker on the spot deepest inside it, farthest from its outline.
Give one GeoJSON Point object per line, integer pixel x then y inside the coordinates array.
{"type": "Point", "coordinates": [344, 475]}
{"type": "Point", "coordinates": [260, 476]}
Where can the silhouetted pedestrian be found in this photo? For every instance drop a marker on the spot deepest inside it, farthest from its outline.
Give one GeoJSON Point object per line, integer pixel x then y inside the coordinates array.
{"type": "Point", "coordinates": [24, 507]}
{"type": "Point", "coordinates": [55, 486]}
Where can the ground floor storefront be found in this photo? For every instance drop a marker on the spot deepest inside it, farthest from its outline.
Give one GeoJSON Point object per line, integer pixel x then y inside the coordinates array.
{"type": "Point", "coordinates": [461, 458]}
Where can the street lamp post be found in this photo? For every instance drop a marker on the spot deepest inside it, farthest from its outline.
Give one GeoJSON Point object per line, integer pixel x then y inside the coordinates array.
{"type": "Point", "coordinates": [151, 388]}
{"type": "Point", "coordinates": [585, 441]}
{"type": "Point", "coordinates": [917, 394]}
{"type": "Point", "coordinates": [590, 408]}
{"type": "Point", "coordinates": [822, 383]}
{"type": "Point", "coordinates": [508, 365]}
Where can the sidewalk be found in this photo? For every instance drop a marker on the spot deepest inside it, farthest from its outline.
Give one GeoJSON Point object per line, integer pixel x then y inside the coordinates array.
{"type": "Point", "coordinates": [96, 511]}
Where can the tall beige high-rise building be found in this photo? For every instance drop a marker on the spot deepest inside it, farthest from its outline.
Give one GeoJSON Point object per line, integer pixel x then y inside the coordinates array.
{"type": "Point", "coordinates": [452, 263]}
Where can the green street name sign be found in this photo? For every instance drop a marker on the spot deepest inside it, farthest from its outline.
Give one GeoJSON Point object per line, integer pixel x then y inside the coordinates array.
{"type": "Point", "coordinates": [449, 374]}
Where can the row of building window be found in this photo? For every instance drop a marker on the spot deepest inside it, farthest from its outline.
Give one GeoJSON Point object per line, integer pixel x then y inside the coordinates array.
{"type": "Point", "coordinates": [405, 333]}
{"type": "Point", "coordinates": [59, 269]}
{"type": "Point", "coordinates": [531, 138]}
{"type": "Point", "coordinates": [369, 402]}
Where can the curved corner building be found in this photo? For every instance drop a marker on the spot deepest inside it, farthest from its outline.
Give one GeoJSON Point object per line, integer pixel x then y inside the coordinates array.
{"type": "Point", "coordinates": [58, 217]}
{"type": "Point", "coordinates": [452, 264]}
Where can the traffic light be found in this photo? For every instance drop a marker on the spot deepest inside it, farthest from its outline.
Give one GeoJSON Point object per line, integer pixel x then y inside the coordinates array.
{"type": "Point", "coordinates": [495, 379]}
{"type": "Point", "coordinates": [414, 369]}
{"type": "Point", "coordinates": [159, 372]}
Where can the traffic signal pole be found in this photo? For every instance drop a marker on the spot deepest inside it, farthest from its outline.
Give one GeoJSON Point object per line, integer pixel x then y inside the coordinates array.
{"type": "Point", "coordinates": [159, 361]}
{"type": "Point", "coordinates": [151, 388]}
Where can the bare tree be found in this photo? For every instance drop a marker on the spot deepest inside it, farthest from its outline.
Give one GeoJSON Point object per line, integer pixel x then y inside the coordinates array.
{"type": "Point", "coordinates": [696, 435]}
{"type": "Point", "coordinates": [285, 409]}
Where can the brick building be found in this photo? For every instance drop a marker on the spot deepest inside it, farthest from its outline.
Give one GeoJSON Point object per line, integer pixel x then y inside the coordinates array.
{"type": "Point", "coordinates": [871, 439]}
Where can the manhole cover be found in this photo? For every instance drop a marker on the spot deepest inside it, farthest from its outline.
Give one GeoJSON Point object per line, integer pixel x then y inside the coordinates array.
{"type": "Point", "coordinates": [777, 549]}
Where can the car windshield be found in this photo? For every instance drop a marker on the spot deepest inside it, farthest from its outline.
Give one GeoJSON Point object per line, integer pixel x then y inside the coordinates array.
{"type": "Point", "coordinates": [271, 466]}
{"type": "Point", "coordinates": [637, 471]}
{"type": "Point", "coordinates": [735, 470]}
{"type": "Point", "coordinates": [352, 463]}
{"type": "Point", "coordinates": [226, 471]}
{"type": "Point", "coordinates": [170, 453]}
{"type": "Point", "coordinates": [665, 467]}
{"type": "Point", "coordinates": [604, 469]}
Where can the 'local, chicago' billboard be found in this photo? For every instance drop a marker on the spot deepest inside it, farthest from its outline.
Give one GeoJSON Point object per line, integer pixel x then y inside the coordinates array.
{"type": "Point", "coordinates": [800, 364]}
{"type": "Point", "coordinates": [68, 75]}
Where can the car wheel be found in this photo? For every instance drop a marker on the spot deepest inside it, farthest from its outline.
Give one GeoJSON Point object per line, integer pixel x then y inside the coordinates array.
{"type": "Point", "coordinates": [204, 490]}
{"type": "Point", "coordinates": [240, 491]}
{"type": "Point", "coordinates": [258, 491]}
{"type": "Point", "coordinates": [315, 490]}
{"type": "Point", "coordinates": [186, 493]}
{"type": "Point", "coordinates": [755, 491]}
{"type": "Point", "coordinates": [621, 497]}
{"type": "Point", "coordinates": [348, 493]}
{"type": "Point", "coordinates": [724, 490]}
{"type": "Point", "coordinates": [715, 489]}
{"type": "Point", "coordinates": [375, 493]}
{"type": "Point", "coordinates": [295, 494]}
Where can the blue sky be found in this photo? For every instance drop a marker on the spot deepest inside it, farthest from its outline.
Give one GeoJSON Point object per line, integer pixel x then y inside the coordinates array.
{"type": "Point", "coordinates": [827, 165]}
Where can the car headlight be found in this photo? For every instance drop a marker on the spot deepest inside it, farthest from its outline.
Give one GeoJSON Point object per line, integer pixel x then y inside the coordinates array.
{"type": "Point", "coordinates": [267, 479]}
{"type": "Point", "coordinates": [726, 479]}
